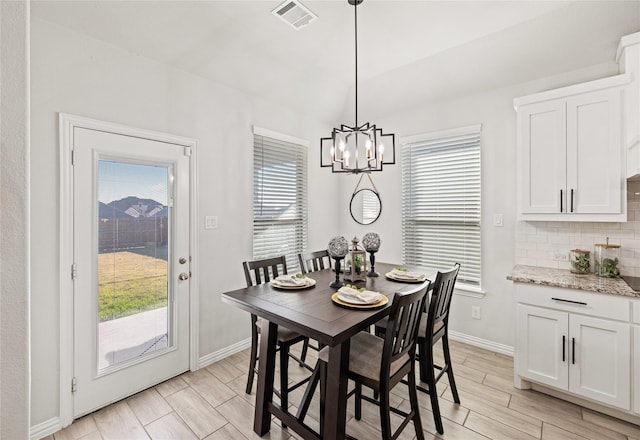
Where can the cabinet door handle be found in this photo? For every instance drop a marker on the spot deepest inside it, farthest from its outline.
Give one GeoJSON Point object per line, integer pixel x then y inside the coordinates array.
{"type": "Point", "coordinates": [573, 350]}
{"type": "Point", "coordinates": [569, 301]}
{"type": "Point", "coordinates": [563, 347]}
{"type": "Point", "coordinates": [571, 199]}
{"type": "Point", "coordinates": [560, 200]}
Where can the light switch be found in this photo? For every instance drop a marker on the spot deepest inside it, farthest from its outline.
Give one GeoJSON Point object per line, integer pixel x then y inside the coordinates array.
{"type": "Point", "coordinates": [211, 222]}
{"type": "Point", "coordinates": [498, 220]}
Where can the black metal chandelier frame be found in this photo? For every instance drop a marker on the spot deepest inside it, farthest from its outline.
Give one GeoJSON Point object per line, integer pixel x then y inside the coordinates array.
{"type": "Point", "coordinates": [379, 147]}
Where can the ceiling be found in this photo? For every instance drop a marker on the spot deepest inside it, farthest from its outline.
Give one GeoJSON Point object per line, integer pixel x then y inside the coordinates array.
{"type": "Point", "coordinates": [408, 51]}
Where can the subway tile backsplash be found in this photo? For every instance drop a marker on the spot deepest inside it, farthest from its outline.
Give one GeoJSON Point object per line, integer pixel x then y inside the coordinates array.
{"type": "Point", "coordinates": [538, 242]}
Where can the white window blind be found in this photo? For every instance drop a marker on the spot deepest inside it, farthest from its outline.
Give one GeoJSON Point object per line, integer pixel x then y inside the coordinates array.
{"type": "Point", "coordinates": [279, 199]}
{"type": "Point", "coordinates": [441, 202]}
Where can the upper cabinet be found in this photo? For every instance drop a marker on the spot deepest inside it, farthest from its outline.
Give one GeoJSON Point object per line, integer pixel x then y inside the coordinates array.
{"type": "Point", "coordinates": [628, 57]}
{"type": "Point", "coordinates": [570, 154]}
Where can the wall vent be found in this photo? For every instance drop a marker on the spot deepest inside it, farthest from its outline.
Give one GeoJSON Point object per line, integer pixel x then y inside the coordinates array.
{"type": "Point", "coordinates": [294, 13]}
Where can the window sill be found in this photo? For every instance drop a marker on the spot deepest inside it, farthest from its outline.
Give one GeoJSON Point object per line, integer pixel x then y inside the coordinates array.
{"type": "Point", "coordinates": [469, 290]}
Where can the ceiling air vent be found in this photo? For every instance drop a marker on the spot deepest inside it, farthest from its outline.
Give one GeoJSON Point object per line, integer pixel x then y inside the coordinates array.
{"type": "Point", "coordinates": [294, 13]}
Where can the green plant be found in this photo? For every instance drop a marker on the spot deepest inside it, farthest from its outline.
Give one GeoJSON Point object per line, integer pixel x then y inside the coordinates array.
{"type": "Point", "coordinates": [608, 268]}
{"type": "Point", "coordinates": [581, 263]}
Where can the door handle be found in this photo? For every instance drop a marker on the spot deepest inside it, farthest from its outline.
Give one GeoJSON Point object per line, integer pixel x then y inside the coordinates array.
{"type": "Point", "coordinates": [573, 350]}
{"type": "Point", "coordinates": [563, 347]}
{"type": "Point", "coordinates": [560, 200]}
{"type": "Point", "coordinates": [183, 276]}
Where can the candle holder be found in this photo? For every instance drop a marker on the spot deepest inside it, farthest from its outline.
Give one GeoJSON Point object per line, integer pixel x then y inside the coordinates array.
{"type": "Point", "coordinates": [337, 248]}
{"type": "Point", "coordinates": [371, 243]}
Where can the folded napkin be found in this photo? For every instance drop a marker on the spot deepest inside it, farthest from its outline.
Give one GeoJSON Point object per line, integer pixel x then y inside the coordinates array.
{"type": "Point", "coordinates": [366, 296]}
{"type": "Point", "coordinates": [292, 280]}
{"type": "Point", "coordinates": [408, 275]}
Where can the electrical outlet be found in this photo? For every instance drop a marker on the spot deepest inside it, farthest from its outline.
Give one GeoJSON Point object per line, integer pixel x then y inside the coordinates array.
{"type": "Point", "coordinates": [211, 222]}
{"type": "Point", "coordinates": [560, 256]}
{"type": "Point", "coordinates": [475, 312]}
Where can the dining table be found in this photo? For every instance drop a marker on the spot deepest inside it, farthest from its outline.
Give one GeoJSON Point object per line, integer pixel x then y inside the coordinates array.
{"type": "Point", "coordinates": [313, 313]}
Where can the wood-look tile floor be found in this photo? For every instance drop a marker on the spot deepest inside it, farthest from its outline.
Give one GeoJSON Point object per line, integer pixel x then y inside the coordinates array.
{"type": "Point", "coordinates": [211, 404]}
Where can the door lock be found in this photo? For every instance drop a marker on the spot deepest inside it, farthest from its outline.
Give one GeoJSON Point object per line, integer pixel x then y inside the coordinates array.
{"type": "Point", "coordinates": [183, 276]}
{"type": "Point", "coordinates": [182, 260]}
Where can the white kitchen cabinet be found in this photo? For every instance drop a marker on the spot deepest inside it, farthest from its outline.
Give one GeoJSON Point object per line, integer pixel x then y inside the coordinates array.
{"type": "Point", "coordinates": [628, 57]}
{"type": "Point", "coordinates": [570, 153]}
{"type": "Point", "coordinates": [576, 342]}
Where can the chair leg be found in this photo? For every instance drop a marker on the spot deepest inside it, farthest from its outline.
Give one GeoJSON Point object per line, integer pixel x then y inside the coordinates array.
{"type": "Point", "coordinates": [358, 401]}
{"type": "Point", "coordinates": [433, 392]}
{"type": "Point", "coordinates": [413, 398]}
{"type": "Point", "coordinates": [447, 360]}
{"type": "Point", "coordinates": [284, 378]}
{"type": "Point", "coordinates": [303, 355]}
{"type": "Point", "coordinates": [254, 355]}
{"type": "Point", "coordinates": [385, 414]}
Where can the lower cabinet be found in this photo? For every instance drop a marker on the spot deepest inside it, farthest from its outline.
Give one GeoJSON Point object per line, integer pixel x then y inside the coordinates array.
{"type": "Point", "coordinates": [586, 355]}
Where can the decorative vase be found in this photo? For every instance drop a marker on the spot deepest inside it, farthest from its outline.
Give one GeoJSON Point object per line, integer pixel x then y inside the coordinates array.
{"type": "Point", "coordinates": [371, 243]}
{"type": "Point", "coordinates": [337, 248]}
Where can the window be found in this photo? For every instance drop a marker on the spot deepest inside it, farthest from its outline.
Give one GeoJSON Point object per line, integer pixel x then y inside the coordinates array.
{"type": "Point", "coordinates": [279, 196]}
{"type": "Point", "coordinates": [441, 201]}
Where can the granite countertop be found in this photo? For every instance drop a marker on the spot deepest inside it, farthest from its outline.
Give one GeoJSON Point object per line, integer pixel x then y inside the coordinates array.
{"type": "Point", "coordinates": [564, 278]}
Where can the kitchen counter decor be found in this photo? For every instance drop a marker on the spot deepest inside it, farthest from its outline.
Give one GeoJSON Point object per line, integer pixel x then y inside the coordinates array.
{"type": "Point", "coordinates": [607, 258]}
{"type": "Point", "coordinates": [580, 261]}
{"type": "Point", "coordinates": [563, 278]}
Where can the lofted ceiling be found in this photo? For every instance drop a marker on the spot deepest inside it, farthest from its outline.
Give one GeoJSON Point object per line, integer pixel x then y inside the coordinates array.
{"type": "Point", "coordinates": [409, 51]}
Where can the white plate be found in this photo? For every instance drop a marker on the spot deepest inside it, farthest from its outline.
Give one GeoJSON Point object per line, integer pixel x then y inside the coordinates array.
{"type": "Point", "coordinates": [310, 283]}
{"type": "Point", "coordinates": [354, 300]}
{"type": "Point", "coordinates": [395, 277]}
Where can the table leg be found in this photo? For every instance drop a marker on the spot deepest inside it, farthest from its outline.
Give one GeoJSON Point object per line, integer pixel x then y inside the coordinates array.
{"type": "Point", "coordinates": [266, 372]}
{"type": "Point", "coordinates": [335, 416]}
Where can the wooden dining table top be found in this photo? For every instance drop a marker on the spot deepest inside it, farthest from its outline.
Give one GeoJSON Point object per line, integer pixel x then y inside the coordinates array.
{"type": "Point", "coordinates": [311, 311]}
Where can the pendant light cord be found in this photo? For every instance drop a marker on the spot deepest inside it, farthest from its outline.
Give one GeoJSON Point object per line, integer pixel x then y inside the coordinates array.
{"type": "Point", "coordinates": [356, 44]}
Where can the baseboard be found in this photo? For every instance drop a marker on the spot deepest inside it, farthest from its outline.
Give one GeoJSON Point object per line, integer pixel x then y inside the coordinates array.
{"type": "Point", "coordinates": [225, 352]}
{"type": "Point", "coordinates": [45, 428]}
{"type": "Point", "coordinates": [482, 343]}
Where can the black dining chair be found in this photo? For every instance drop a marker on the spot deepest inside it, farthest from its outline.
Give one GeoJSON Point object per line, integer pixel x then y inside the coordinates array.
{"type": "Point", "coordinates": [434, 327]}
{"type": "Point", "coordinates": [264, 271]}
{"type": "Point", "coordinates": [380, 364]}
{"type": "Point", "coordinates": [314, 261]}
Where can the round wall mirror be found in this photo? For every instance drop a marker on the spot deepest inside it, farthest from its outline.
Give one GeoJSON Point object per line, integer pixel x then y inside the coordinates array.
{"type": "Point", "coordinates": [365, 206]}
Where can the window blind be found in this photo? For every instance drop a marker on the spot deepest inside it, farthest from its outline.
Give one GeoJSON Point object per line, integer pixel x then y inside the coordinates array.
{"type": "Point", "coordinates": [279, 199]}
{"type": "Point", "coordinates": [441, 203]}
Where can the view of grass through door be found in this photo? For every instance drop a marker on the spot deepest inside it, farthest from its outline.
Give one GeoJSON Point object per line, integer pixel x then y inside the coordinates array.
{"type": "Point", "coordinates": [132, 257]}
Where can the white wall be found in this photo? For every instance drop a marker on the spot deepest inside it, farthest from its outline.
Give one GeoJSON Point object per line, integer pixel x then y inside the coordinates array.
{"type": "Point", "coordinates": [14, 220]}
{"type": "Point", "coordinates": [75, 74]}
{"type": "Point", "coordinates": [494, 110]}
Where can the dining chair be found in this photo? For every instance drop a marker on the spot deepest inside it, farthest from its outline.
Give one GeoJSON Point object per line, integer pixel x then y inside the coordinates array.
{"type": "Point", "coordinates": [380, 364]}
{"type": "Point", "coordinates": [314, 261]}
{"type": "Point", "coordinates": [264, 271]}
{"type": "Point", "coordinates": [434, 327]}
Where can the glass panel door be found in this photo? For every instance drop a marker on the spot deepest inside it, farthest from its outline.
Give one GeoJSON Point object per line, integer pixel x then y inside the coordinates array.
{"type": "Point", "coordinates": [133, 247]}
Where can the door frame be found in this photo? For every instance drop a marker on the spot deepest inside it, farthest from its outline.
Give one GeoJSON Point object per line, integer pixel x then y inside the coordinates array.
{"type": "Point", "coordinates": [66, 124]}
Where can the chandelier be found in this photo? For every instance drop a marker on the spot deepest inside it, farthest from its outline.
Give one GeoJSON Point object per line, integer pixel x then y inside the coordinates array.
{"type": "Point", "coordinates": [358, 148]}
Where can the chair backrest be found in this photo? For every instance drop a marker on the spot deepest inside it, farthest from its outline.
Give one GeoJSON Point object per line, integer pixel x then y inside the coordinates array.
{"type": "Point", "coordinates": [402, 326]}
{"type": "Point", "coordinates": [441, 298]}
{"type": "Point", "coordinates": [314, 261]}
{"type": "Point", "coordinates": [261, 269]}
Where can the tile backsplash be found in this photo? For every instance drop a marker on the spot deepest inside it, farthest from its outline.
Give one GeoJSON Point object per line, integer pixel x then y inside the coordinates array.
{"type": "Point", "coordinates": [538, 242]}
